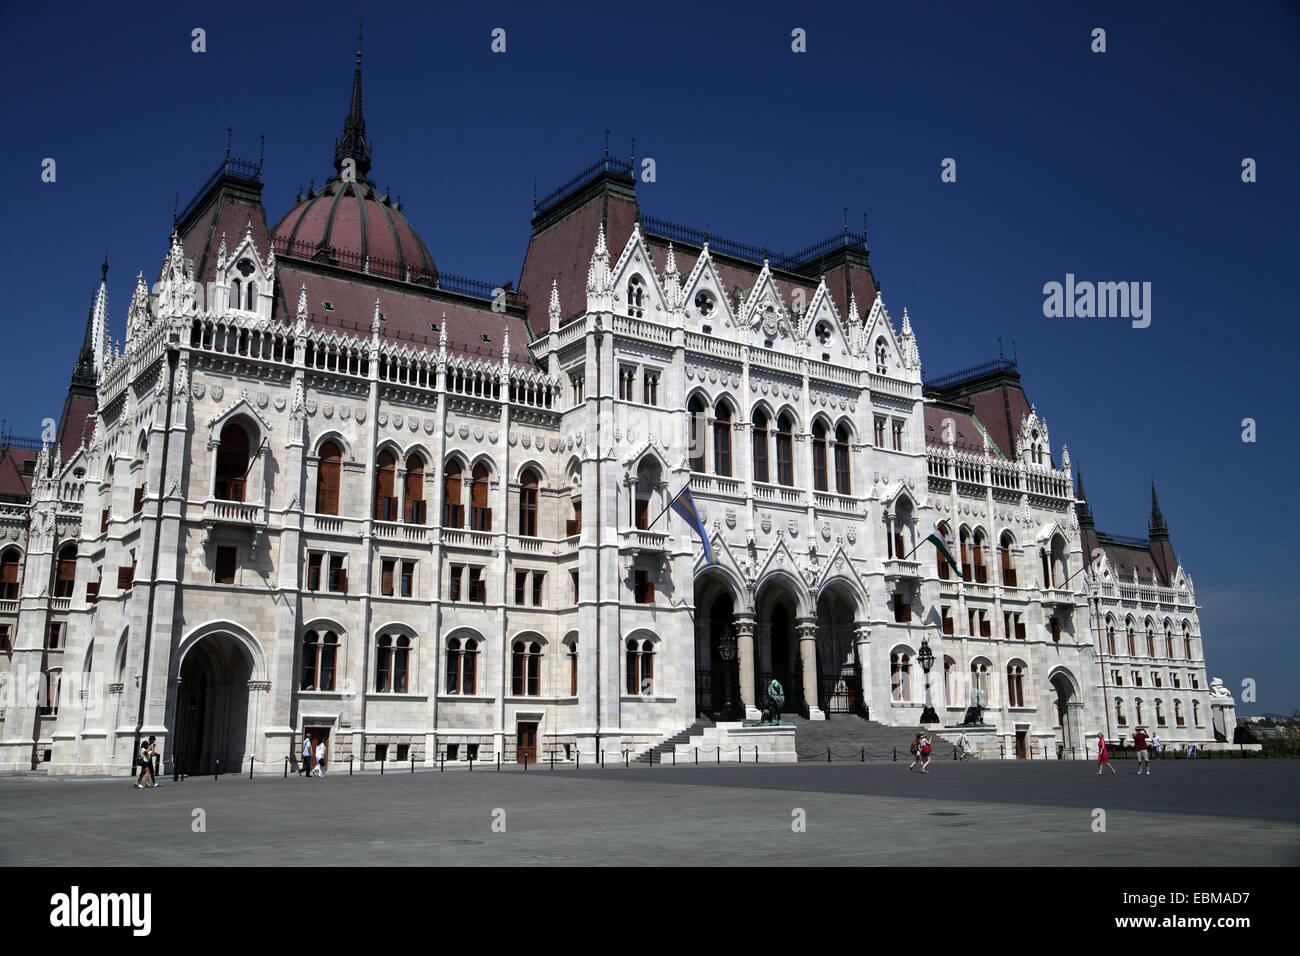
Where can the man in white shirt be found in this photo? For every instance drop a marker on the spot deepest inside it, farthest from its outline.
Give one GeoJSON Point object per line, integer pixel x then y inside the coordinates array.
{"type": "Point", "coordinates": [306, 755]}
{"type": "Point", "coordinates": [320, 758]}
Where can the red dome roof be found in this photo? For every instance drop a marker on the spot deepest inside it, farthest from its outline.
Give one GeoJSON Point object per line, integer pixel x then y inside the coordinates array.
{"type": "Point", "coordinates": [353, 224]}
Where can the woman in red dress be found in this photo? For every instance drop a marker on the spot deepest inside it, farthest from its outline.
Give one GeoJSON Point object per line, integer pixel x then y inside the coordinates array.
{"type": "Point", "coordinates": [1103, 757]}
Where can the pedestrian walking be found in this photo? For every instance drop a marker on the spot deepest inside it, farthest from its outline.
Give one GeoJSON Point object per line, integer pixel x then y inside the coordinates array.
{"type": "Point", "coordinates": [916, 751]}
{"type": "Point", "coordinates": [306, 756]}
{"type": "Point", "coordinates": [1143, 756]}
{"type": "Point", "coordinates": [1103, 755]}
{"type": "Point", "coordinates": [963, 747]}
{"type": "Point", "coordinates": [925, 754]}
{"type": "Point", "coordinates": [320, 758]}
{"type": "Point", "coordinates": [1155, 746]}
{"type": "Point", "coordinates": [145, 762]}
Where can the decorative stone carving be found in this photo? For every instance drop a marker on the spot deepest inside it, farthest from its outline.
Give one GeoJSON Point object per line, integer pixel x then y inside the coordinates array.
{"type": "Point", "coordinates": [217, 392]}
{"type": "Point", "coordinates": [198, 389]}
{"type": "Point", "coordinates": [731, 518]}
{"type": "Point", "coordinates": [397, 421]}
{"type": "Point", "coordinates": [361, 416]}
{"type": "Point", "coordinates": [493, 436]}
{"type": "Point", "coordinates": [852, 534]}
{"type": "Point", "coordinates": [765, 522]}
{"type": "Point", "coordinates": [262, 399]}
{"type": "Point", "coordinates": [327, 410]}
{"type": "Point", "coordinates": [478, 433]}
{"type": "Point", "coordinates": [450, 430]}
{"type": "Point", "coordinates": [826, 530]}
{"type": "Point", "coordinates": [413, 423]}
{"type": "Point", "coordinates": [429, 425]}
{"type": "Point", "coordinates": [793, 527]}
{"type": "Point", "coordinates": [344, 413]}
{"type": "Point", "coordinates": [526, 441]}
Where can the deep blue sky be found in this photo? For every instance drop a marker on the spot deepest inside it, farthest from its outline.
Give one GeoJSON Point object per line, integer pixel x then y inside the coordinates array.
{"type": "Point", "coordinates": [1116, 166]}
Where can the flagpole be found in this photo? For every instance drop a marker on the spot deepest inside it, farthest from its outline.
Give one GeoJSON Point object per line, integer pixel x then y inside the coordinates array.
{"type": "Point", "coordinates": [667, 506]}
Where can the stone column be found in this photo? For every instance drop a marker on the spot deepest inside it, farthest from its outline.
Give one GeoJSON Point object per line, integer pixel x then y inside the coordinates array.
{"type": "Point", "coordinates": [745, 654]}
{"type": "Point", "coordinates": [807, 630]}
{"type": "Point", "coordinates": [862, 645]}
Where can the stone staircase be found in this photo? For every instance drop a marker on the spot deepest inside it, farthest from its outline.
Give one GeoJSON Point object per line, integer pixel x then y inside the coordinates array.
{"type": "Point", "coordinates": [664, 749]}
{"type": "Point", "coordinates": [848, 735]}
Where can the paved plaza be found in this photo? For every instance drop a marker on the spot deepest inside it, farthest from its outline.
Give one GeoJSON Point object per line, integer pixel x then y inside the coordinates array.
{"type": "Point", "coordinates": [1187, 813]}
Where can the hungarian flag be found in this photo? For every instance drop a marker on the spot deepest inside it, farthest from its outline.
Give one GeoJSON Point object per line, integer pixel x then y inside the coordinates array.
{"type": "Point", "coordinates": [684, 505]}
{"type": "Point", "coordinates": [936, 538]}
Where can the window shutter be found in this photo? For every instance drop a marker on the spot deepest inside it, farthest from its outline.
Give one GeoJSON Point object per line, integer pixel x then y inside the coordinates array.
{"type": "Point", "coordinates": [386, 578]}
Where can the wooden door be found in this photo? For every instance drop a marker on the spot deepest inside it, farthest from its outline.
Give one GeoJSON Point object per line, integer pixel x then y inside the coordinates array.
{"type": "Point", "coordinates": [1020, 744]}
{"type": "Point", "coordinates": [526, 751]}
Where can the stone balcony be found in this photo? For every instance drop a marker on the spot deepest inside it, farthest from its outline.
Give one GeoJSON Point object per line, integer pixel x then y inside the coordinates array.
{"type": "Point", "coordinates": [236, 514]}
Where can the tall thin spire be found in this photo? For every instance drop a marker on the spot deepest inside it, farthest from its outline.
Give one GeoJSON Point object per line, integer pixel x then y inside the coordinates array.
{"type": "Point", "coordinates": [1156, 528]}
{"type": "Point", "coordinates": [352, 144]}
{"type": "Point", "coordinates": [95, 344]}
{"type": "Point", "coordinates": [1082, 509]}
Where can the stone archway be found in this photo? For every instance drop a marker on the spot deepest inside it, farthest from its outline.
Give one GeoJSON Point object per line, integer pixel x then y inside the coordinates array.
{"type": "Point", "coordinates": [1069, 712]}
{"type": "Point", "coordinates": [213, 713]}
{"type": "Point", "coordinates": [778, 644]}
{"type": "Point", "coordinates": [839, 671]}
{"type": "Point", "coordinates": [716, 606]}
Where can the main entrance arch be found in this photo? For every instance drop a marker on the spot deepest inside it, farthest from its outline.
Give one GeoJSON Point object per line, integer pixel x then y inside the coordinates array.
{"type": "Point", "coordinates": [839, 672]}
{"type": "Point", "coordinates": [213, 714]}
{"type": "Point", "coordinates": [715, 614]}
{"type": "Point", "coordinates": [1069, 711]}
{"type": "Point", "coordinates": [777, 651]}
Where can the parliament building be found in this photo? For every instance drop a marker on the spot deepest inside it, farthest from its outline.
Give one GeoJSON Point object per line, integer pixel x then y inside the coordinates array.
{"type": "Point", "coordinates": [321, 488]}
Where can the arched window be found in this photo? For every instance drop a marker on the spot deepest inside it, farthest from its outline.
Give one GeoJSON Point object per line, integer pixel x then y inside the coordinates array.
{"type": "Point", "coordinates": [1006, 553]}
{"type": "Point", "coordinates": [528, 503]}
{"type": "Point", "coordinates": [1179, 719]}
{"type": "Point", "coordinates": [640, 669]}
{"type": "Point", "coordinates": [1151, 640]}
{"type": "Point", "coordinates": [526, 670]}
{"type": "Point", "coordinates": [327, 479]}
{"type": "Point", "coordinates": [250, 297]}
{"type": "Point", "coordinates": [319, 654]}
{"type": "Point", "coordinates": [1187, 642]}
{"type": "Point", "coordinates": [480, 515]}
{"type": "Point", "coordinates": [65, 571]}
{"type": "Point", "coordinates": [820, 478]}
{"type": "Point", "coordinates": [981, 570]}
{"type": "Point", "coordinates": [1060, 566]}
{"type": "Point", "coordinates": [236, 295]}
{"type": "Point", "coordinates": [1120, 719]}
{"type": "Point", "coordinates": [232, 462]}
{"type": "Point", "coordinates": [882, 357]}
{"type": "Point", "coordinates": [785, 451]}
{"type": "Point", "coordinates": [1015, 685]}
{"type": "Point", "coordinates": [392, 663]}
{"type": "Point", "coordinates": [1132, 641]}
{"type": "Point", "coordinates": [950, 680]}
{"type": "Point", "coordinates": [1160, 712]}
{"type": "Point", "coordinates": [648, 477]}
{"type": "Point", "coordinates": [979, 682]}
{"type": "Point", "coordinates": [1169, 640]}
{"type": "Point", "coordinates": [9, 575]}
{"type": "Point", "coordinates": [1137, 710]}
{"type": "Point", "coordinates": [900, 675]}
{"type": "Point", "coordinates": [453, 513]}
{"type": "Point", "coordinates": [462, 660]}
{"type": "Point", "coordinates": [1110, 638]}
{"type": "Point", "coordinates": [1196, 712]}
{"type": "Point", "coordinates": [385, 480]}
{"type": "Point", "coordinates": [572, 644]}
{"type": "Point", "coordinates": [699, 429]}
{"type": "Point", "coordinates": [48, 705]}
{"type": "Point", "coordinates": [636, 298]}
{"type": "Point", "coordinates": [843, 479]}
{"type": "Point", "coordinates": [964, 536]}
{"type": "Point", "coordinates": [760, 446]}
{"type": "Point", "coordinates": [722, 439]}
{"type": "Point", "coordinates": [414, 489]}
{"type": "Point", "coordinates": [941, 563]}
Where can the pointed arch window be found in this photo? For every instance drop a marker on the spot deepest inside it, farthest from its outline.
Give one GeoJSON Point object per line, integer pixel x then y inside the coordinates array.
{"type": "Point", "coordinates": [760, 446]}
{"type": "Point", "coordinates": [9, 575]}
{"type": "Point", "coordinates": [319, 656]}
{"type": "Point", "coordinates": [1015, 685]}
{"type": "Point", "coordinates": [232, 462]}
{"type": "Point", "coordinates": [636, 298]}
{"type": "Point", "coordinates": [453, 512]}
{"type": "Point", "coordinates": [981, 570]}
{"type": "Point", "coordinates": [236, 294]}
{"type": "Point", "coordinates": [722, 439]}
{"type": "Point", "coordinates": [882, 357]}
{"type": "Point", "coordinates": [1007, 558]}
{"type": "Point", "coordinates": [327, 479]}
{"type": "Point", "coordinates": [964, 536]}
{"type": "Point", "coordinates": [392, 663]}
{"type": "Point", "coordinates": [528, 503]}
{"type": "Point", "coordinates": [1151, 640]}
{"type": "Point", "coordinates": [480, 515]}
{"type": "Point", "coordinates": [900, 675]}
{"type": "Point", "coordinates": [1187, 642]}
{"type": "Point", "coordinates": [462, 666]}
{"type": "Point", "coordinates": [699, 429]}
{"type": "Point", "coordinates": [820, 478]}
{"type": "Point", "coordinates": [785, 451]}
{"type": "Point", "coordinates": [1110, 639]}
{"type": "Point", "coordinates": [414, 490]}
{"type": "Point", "coordinates": [66, 571]}
{"type": "Point", "coordinates": [979, 682]}
{"type": "Point", "coordinates": [526, 669]}
{"type": "Point", "coordinates": [640, 666]}
{"type": "Point", "coordinates": [843, 479]}
{"type": "Point", "coordinates": [941, 563]}
{"type": "Point", "coordinates": [1132, 642]}
{"type": "Point", "coordinates": [385, 479]}
{"type": "Point", "coordinates": [250, 297]}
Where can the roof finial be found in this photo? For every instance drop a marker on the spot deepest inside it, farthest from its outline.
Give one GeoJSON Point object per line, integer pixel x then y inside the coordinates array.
{"type": "Point", "coordinates": [261, 151]}
{"type": "Point", "coordinates": [607, 144]}
{"type": "Point", "coordinates": [353, 144]}
{"type": "Point", "coordinates": [103, 270]}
